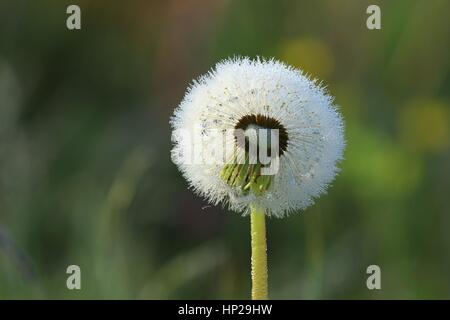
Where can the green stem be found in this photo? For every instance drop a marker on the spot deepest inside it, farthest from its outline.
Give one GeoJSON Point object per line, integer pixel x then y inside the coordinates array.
{"type": "Point", "coordinates": [259, 254]}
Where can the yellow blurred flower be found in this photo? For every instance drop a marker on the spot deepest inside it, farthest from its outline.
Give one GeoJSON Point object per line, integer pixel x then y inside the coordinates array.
{"type": "Point", "coordinates": [424, 125]}
{"type": "Point", "coordinates": [378, 168]}
{"type": "Point", "coordinates": [310, 55]}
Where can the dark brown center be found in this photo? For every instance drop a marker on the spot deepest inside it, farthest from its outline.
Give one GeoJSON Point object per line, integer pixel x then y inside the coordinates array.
{"type": "Point", "coordinates": [265, 122]}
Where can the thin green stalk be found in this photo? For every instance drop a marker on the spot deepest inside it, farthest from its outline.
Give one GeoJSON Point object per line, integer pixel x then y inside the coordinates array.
{"type": "Point", "coordinates": [259, 254]}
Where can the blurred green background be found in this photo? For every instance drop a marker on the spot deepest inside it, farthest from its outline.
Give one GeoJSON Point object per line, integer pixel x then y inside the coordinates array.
{"type": "Point", "coordinates": [85, 170]}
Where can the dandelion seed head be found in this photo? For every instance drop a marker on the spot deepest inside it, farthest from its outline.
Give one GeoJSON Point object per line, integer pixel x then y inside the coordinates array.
{"type": "Point", "coordinates": [245, 93]}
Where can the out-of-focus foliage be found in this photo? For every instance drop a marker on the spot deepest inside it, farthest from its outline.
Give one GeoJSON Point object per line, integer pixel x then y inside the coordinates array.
{"type": "Point", "coordinates": [85, 170]}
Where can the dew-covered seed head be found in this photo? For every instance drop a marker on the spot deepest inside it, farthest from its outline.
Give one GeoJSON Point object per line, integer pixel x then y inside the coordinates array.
{"type": "Point", "coordinates": [286, 136]}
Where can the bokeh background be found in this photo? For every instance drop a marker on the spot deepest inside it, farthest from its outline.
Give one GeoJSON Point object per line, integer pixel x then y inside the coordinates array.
{"type": "Point", "coordinates": [85, 170]}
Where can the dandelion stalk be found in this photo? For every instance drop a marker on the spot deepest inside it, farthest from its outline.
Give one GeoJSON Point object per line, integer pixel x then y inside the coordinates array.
{"type": "Point", "coordinates": [259, 254]}
{"type": "Point", "coordinates": [248, 178]}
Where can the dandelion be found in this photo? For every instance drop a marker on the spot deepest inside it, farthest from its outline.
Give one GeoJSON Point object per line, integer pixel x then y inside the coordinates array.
{"type": "Point", "coordinates": [240, 112]}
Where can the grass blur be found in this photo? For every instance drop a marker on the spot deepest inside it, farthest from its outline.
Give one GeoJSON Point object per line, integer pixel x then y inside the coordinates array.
{"type": "Point", "coordinates": [85, 170]}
